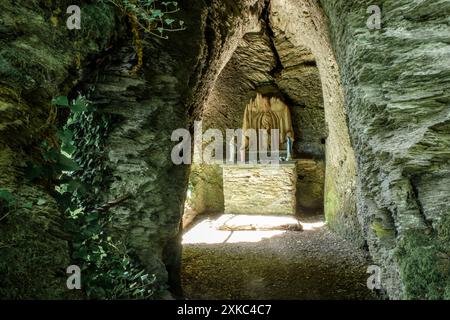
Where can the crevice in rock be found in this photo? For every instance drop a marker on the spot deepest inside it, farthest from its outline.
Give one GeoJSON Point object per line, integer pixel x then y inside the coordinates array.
{"type": "Point", "coordinates": [416, 198]}
{"type": "Point", "coordinates": [204, 56]}
{"type": "Point", "coordinates": [278, 68]}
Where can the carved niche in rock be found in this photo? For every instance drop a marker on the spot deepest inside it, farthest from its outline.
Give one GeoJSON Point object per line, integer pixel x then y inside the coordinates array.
{"type": "Point", "coordinates": [265, 113]}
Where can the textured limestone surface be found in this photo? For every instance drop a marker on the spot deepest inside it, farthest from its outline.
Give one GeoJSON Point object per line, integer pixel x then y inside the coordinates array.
{"type": "Point", "coordinates": [260, 188]}
{"type": "Point", "coordinates": [310, 185]}
{"type": "Point", "coordinates": [205, 191]}
{"type": "Point", "coordinates": [398, 105]}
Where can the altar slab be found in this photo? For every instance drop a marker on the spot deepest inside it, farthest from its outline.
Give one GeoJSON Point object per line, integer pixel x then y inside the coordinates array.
{"type": "Point", "coordinates": [260, 189]}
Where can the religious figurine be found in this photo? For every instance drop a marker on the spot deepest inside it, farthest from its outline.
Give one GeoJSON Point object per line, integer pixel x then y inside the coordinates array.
{"type": "Point", "coordinates": [289, 149]}
{"type": "Point", "coordinates": [268, 113]}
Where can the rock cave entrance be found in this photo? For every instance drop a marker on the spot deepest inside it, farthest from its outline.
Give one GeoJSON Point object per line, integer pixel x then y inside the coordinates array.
{"type": "Point", "coordinates": [144, 88]}
{"type": "Point", "coordinates": [286, 54]}
{"type": "Point", "coordinates": [275, 68]}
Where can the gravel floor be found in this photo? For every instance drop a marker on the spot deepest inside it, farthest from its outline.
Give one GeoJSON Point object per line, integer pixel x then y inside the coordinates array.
{"type": "Point", "coordinates": [310, 264]}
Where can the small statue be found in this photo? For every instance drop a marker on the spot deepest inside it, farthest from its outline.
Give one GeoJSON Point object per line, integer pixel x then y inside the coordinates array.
{"type": "Point", "coordinates": [289, 149]}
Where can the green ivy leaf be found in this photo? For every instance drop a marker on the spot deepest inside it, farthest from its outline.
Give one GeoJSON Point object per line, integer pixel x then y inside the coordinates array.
{"type": "Point", "coordinates": [92, 217]}
{"type": "Point", "coordinates": [68, 148]}
{"type": "Point", "coordinates": [66, 164]}
{"type": "Point", "coordinates": [156, 13]}
{"type": "Point", "coordinates": [61, 101]}
{"type": "Point", "coordinates": [65, 135]}
{"type": "Point", "coordinates": [33, 171]}
{"type": "Point", "coordinates": [80, 104]}
{"type": "Point", "coordinates": [169, 21]}
{"type": "Point", "coordinates": [27, 205]}
{"type": "Point", "coordinates": [7, 196]}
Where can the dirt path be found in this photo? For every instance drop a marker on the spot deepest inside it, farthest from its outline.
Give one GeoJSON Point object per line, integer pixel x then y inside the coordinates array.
{"type": "Point", "coordinates": [311, 264]}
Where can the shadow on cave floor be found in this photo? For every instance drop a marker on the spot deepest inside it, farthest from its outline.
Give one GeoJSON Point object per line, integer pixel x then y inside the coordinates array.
{"type": "Point", "coordinates": [278, 264]}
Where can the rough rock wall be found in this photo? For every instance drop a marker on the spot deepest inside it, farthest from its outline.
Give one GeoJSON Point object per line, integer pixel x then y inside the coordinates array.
{"type": "Point", "coordinates": [397, 92]}
{"type": "Point", "coordinates": [304, 25]}
{"type": "Point", "coordinates": [39, 59]}
{"type": "Point", "coordinates": [167, 95]}
{"type": "Point", "coordinates": [397, 99]}
{"type": "Point", "coordinates": [205, 194]}
{"type": "Point", "coordinates": [310, 185]}
{"type": "Point", "coordinates": [299, 81]}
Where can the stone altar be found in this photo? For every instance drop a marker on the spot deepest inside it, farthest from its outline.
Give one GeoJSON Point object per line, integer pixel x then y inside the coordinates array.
{"type": "Point", "coordinates": [262, 189]}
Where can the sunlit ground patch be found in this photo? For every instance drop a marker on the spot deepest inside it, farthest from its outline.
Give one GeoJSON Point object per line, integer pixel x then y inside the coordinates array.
{"type": "Point", "coordinates": [244, 228]}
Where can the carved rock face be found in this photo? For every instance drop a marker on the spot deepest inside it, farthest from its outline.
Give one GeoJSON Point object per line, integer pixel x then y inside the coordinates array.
{"type": "Point", "coordinates": [268, 113]}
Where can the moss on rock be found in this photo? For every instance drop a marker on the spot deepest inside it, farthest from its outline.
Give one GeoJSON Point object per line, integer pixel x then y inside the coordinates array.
{"type": "Point", "coordinates": [33, 251]}
{"type": "Point", "coordinates": [424, 261]}
{"type": "Point", "coordinates": [40, 58]}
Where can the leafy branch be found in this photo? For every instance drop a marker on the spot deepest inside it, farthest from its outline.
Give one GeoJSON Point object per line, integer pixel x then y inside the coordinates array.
{"type": "Point", "coordinates": [109, 268]}
{"type": "Point", "coordinates": [153, 17]}
{"type": "Point", "coordinates": [150, 16]}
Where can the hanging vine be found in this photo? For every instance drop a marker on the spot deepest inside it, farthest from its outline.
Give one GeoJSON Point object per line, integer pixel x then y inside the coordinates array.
{"type": "Point", "coordinates": [72, 163]}
{"type": "Point", "coordinates": [153, 17]}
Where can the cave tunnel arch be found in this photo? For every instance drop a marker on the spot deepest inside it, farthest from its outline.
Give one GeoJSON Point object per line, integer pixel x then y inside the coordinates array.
{"type": "Point", "coordinates": [396, 102]}
{"type": "Point", "coordinates": [176, 93]}
{"type": "Point", "coordinates": [285, 51]}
